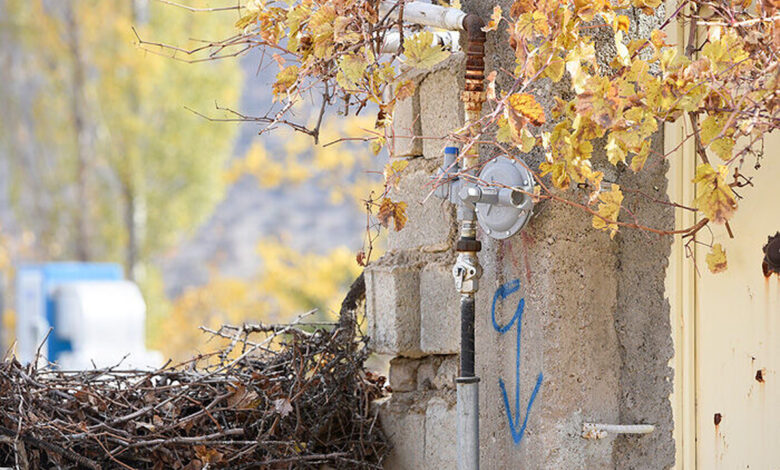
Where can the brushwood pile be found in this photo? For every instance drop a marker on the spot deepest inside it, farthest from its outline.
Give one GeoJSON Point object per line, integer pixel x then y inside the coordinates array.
{"type": "Point", "coordinates": [274, 397]}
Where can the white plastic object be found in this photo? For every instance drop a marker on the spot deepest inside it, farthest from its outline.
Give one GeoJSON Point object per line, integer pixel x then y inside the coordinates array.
{"type": "Point", "coordinates": [448, 40]}
{"type": "Point", "coordinates": [426, 14]}
{"type": "Point", "coordinates": [105, 323]}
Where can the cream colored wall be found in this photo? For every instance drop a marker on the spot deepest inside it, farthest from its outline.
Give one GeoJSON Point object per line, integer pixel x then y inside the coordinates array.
{"type": "Point", "coordinates": [726, 327]}
{"type": "Point", "coordinates": [738, 334]}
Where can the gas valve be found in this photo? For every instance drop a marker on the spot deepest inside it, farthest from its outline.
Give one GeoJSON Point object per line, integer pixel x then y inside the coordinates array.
{"type": "Point", "coordinates": [499, 196]}
{"type": "Point", "coordinates": [771, 262]}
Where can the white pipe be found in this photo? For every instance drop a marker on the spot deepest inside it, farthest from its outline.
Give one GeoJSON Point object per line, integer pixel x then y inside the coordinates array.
{"type": "Point", "coordinates": [448, 40]}
{"type": "Point", "coordinates": [426, 14]}
{"type": "Point", "coordinates": [600, 431]}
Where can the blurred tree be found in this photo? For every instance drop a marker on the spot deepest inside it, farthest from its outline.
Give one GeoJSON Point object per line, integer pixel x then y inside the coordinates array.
{"type": "Point", "coordinates": [106, 163]}
{"type": "Point", "coordinates": [289, 284]}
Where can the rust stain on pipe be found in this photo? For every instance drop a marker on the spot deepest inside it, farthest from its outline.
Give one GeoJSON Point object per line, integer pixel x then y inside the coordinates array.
{"type": "Point", "coordinates": [474, 93]}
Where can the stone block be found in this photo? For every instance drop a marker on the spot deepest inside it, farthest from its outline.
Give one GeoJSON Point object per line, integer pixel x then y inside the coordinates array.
{"type": "Point", "coordinates": [407, 128]}
{"type": "Point", "coordinates": [441, 109]}
{"type": "Point", "coordinates": [426, 372]}
{"type": "Point", "coordinates": [405, 429]}
{"type": "Point", "coordinates": [440, 434]}
{"type": "Point", "coordinates": [403, 374]}
{"type": "Point", "coordinates": [431, 220]}
{"type": "Point", "coordinates": [393, 309]}
{"type": "Point", "coordinates": [446, 373]}
{"type": "Point", "coordinates": [439, 310]}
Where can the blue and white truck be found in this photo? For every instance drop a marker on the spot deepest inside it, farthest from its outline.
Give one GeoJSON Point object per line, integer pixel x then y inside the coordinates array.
{"type": "Point", "coordinates": [96, 317]}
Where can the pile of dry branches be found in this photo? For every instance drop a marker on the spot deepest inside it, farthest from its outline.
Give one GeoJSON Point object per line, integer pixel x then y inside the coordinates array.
{"type": "Point", "coordinates": [291, 399]}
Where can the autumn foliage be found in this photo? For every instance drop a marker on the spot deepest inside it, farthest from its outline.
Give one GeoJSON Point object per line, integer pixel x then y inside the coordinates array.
{"type": "Point", "coordinates": [622, 86]}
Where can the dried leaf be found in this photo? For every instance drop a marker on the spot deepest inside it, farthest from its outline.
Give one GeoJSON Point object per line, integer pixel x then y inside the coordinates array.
{"type": "Point", "coordinates": [495, 19]}
{"type": "Point", "coordinates": [392, 210]}
{"type": "Point", "coordinates": [283, 406]}
{"type": "Point", "coordinates": [360, 258]}
{"type": "Point", "coordinates": [208, 455]}
{"type": "Point", "coordinates": [404, 90]}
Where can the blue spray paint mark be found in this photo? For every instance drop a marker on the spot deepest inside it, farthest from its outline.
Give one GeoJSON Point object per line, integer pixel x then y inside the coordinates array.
{"type": "Point", "coordinates": [517, 428]}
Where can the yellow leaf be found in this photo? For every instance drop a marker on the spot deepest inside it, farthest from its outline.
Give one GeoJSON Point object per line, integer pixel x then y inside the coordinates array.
{"type": "Point", "coordinates": [587, 9]}
{"type": "Point", "coordinates": [377, 144]}
{"type": "Point", "coordinates": [559, 177]}
{"type": "Point", "coordinates": [716, 259]}
{"type": "Point", "coordinates": [247, 20]}
{"type": "Point", "coordinates": [525, 105]}
{"type": "Point", "coordinates": [609, 208]}
{"type": "Point", "coordinates": [621, 23]}
{"type": "Point", "coordinates": [527, 141]}
{"type": "Point", "coordinates": [353, 66]}
{"type": "Point", "coordinates": [504, 132]}
{"type": "Point", "coordinates": [647, 6]}
{"type": "Point", "coordinates": [622, 56]}
{"type": "Point", "coordinates": [710, 128]}
{"type": "Point", "coordinates": [714, 197]}
{"type": "Point", "coordinates": [638, 162]}
{"type": "Point", "coordinates": [421, 53]}
{"type": "Point", "coordinates": [616, 152]}
{"type": "Point", "coordinates": [532, 23]}
{"type": "Point", "coordinates": [723, 147]}
{"type": "Point", "coordinates": [285, 79]}
{"type": "Point", "coordinates": [495, 18]}
{"type": "Point", "coordinates": [393, 172]}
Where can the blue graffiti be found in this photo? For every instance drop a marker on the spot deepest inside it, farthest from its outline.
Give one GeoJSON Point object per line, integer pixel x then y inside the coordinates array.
{"type": "Point", "coordinates": [517, 428]}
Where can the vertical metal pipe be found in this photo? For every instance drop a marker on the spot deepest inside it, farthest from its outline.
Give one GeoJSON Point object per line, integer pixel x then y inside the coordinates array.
{"type": "Point", "coordinates": [467, 264]}
{"type": "Point", "coordinates": [467, 336]}
{"type": "Point", "coordinates": [468, 423]}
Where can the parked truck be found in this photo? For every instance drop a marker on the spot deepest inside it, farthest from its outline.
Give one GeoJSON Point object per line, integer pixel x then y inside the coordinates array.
{"type": "Point", "coordinates": [80, 316]}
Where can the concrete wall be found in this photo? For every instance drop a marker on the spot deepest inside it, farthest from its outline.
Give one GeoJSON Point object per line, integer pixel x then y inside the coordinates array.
{"type": "Point", "coordinates": [594, 333]}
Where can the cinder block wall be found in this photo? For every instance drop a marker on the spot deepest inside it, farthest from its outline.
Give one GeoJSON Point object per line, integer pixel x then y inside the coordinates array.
{"type": "Point", "coordinates": [594, 332]}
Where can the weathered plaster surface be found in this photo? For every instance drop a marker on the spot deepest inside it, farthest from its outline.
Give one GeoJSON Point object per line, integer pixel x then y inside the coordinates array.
{"type": "Point", "coordinates": [595, 322]}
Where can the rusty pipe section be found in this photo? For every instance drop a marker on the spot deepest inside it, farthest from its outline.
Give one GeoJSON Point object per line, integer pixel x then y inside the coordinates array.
{"type": "Point", "coordinates": [473, 95]}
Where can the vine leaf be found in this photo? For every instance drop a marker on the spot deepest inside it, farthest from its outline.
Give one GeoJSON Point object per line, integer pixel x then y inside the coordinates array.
{"type": "Point", "coordinates": [392, 210]}
{"type": "Point", "coordinates": [495, 19]}
{"type": "Point", "coordinates": [352, 66]}
{"type": "Point", "coordinates": [404, 89]}
{"type": "Point", "coordinates": [393, 172]}
{"type": "Point", "coordinates": [716, 259]}
{"type": "Point", "coordinates": [285, 80]}
{"type": "Point", "coordinates": [523, 107]}
{"type": "Point", "coordinates": [609, 208]}
{"type": "Point", "coordinates": [715, 198]}
{"type": "Point", "coordinates": [421, 52]}
{"type": "Point", "coordinates": [647, 6]}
